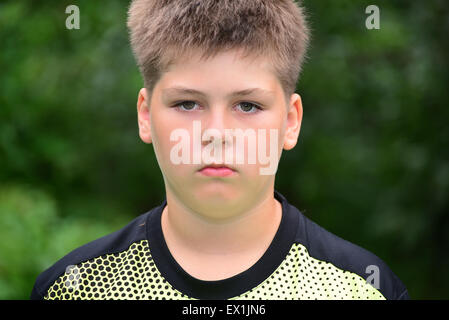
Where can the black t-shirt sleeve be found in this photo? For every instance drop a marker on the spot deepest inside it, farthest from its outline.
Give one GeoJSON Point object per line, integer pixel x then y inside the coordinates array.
{"type": "Point", "coordinates": [326, 246]}
{"type": "Point", "coordinates": [111, 243]}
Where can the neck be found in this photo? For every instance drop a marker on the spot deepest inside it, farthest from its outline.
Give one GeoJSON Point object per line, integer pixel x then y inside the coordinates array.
{"type": "Point", "coordinates": [256, 227]}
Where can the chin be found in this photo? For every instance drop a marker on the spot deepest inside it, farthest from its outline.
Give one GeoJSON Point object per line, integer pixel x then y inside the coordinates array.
{"type": "Point", "coordinates": [217, 209]}
{"type": "Point", "coordinates": [217, 193]}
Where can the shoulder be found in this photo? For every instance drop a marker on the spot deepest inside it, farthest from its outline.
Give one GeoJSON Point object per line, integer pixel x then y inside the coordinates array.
{"type": "Point", "coordinates": [327, 247]}
{"type": "Point", "coordinates": [115, 242]}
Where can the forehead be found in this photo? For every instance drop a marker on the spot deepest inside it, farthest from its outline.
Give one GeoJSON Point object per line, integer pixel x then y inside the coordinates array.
{"type": "Point", "coordinates": [229, 72]}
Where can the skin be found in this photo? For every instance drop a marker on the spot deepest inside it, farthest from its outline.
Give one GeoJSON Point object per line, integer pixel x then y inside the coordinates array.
{"type": "Point", "coordinates": [216, 227]}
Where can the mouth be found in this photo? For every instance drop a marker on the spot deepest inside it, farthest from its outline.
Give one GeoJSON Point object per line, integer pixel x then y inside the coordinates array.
{"type": "Point", "coordinates": [217, 170]}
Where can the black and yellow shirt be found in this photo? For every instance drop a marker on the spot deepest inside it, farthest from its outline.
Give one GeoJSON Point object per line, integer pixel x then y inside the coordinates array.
{"type": "Point", "coordinates": [303, 261]}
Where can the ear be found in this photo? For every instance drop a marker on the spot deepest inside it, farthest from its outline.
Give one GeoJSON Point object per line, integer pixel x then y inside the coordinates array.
{"type": "Point", "coordinates": [143, 116]}
{"type": "Point", "coordinates": [294, 119]}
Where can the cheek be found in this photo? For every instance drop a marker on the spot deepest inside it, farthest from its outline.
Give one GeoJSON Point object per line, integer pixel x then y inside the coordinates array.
{"type": "Point", "coordinates": [161, 128]}
{"type": "Point", "coordinates": [275, 134]}
{"type": "Point", "coordinates": [160, 134]}
{"type": "Point", "coordinates": [161, 131]}
{"type": "Point", "coordinates": [282, 131]}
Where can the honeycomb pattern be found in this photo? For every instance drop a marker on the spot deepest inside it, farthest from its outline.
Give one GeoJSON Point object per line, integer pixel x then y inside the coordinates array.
{"type": "Point", "coordinates": [302, 277]}
{"type": "Point", "coordinates": [127, 275]}
{"type": "Point", "coordinates": [132, 275]}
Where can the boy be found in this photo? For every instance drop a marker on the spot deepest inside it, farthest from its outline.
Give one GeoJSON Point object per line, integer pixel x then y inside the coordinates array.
{"type": "Point", "coordinates": [217, 74]}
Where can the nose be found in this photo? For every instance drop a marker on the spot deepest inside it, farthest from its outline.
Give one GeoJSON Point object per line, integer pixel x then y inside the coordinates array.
{"type": "Point", "coordinates": [214, 125]}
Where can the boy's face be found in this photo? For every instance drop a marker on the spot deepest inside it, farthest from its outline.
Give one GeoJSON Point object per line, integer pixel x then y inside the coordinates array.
{"type": "Point", "coordinates": [168, 110]}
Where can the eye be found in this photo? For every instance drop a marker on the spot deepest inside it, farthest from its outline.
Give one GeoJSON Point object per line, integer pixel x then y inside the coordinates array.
{"type": "Point", "coordinates": [186, 105]}
{"type": "Point", "coordinates": [246, 107]}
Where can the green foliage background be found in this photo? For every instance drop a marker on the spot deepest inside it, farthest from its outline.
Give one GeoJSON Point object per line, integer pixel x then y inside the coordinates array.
{"type": "Point", "coordinates": [371, 165]}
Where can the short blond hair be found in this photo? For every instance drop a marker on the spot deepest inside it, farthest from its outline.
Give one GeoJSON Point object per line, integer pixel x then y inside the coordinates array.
{"type": "Point", "coordinates": [163, 30]}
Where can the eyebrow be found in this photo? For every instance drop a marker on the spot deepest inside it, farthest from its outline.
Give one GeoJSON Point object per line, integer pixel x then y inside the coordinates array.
{"type": "Point", "coordinates": [184, 90]}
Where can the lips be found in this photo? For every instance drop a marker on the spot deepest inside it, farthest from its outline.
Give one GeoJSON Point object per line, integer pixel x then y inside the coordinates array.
{"type": "Point", "coordinates": [217, 170]}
